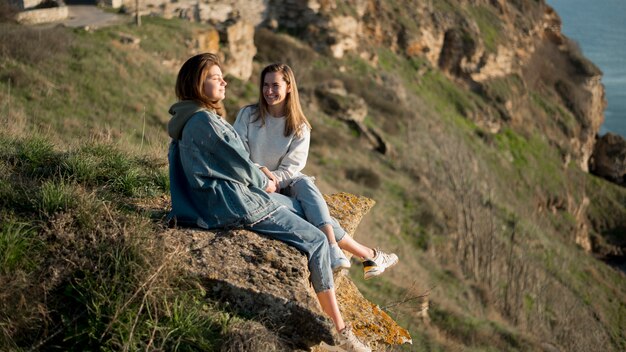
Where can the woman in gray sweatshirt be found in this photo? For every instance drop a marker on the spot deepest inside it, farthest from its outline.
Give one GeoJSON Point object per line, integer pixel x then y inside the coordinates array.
{"type": "Point", "coordinates": [276, 133]}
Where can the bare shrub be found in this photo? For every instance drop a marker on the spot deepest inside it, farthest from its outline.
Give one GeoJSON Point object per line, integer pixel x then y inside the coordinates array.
{"type": "Point", "coordinates": [562, 74]}
{"type": "Point", "coordinates": [473, 243]}
{"type": "Point", "coordinates": [492, 247]}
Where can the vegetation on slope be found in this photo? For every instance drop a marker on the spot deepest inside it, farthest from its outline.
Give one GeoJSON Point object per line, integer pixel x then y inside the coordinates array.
{"type": "Point", "coordinates": [478, 219]}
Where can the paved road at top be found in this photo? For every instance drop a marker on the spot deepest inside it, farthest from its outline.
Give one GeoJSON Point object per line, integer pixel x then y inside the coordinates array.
{"type": "Point", "coordinates": [91, 16]}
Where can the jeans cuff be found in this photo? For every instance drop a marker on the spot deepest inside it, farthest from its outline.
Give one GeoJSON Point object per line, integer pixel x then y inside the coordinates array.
{"type": "Point", "coordinates": [323, 223]}
{"type": "Point", "coordinates": [322, 288]}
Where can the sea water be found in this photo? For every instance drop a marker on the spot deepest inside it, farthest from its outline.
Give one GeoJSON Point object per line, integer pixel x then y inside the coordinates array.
{"type": "Point", "coordinates": [599, 28]}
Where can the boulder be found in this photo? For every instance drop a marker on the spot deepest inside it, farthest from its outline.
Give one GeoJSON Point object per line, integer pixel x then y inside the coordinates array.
{"type": "Point", "coordinates": [609, 158]}
{"type": "Point", "coordinates": [268, 280]}
{"type": "Point", "coordinates": [337, 102]}
{"type": "Point", "coordinates": [239, 48]}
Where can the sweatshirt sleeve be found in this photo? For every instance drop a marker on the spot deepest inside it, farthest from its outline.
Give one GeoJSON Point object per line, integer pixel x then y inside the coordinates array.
{"type": "Point", "coordinates": [294, 161]}
{"type": "Point", "coordinates": [241, 126]}
{"type": "Point", "coordinates": [221, 153]}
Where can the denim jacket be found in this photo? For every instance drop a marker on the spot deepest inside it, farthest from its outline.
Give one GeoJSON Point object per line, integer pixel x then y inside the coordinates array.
{"type": "Point", "coordinates": [213, 182]}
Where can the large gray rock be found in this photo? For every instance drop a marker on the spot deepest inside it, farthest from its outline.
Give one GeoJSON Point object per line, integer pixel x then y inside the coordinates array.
{"type": "Point", "coordinates": [267, 281]}
{"type": "Point", "coordinates": [259, 277]}
{"type": "Point", "coordinates": [337, 102]}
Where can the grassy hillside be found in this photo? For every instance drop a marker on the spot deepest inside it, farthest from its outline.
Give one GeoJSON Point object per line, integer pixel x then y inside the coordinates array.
{"type": "Point", "coordinates": [484, 223]}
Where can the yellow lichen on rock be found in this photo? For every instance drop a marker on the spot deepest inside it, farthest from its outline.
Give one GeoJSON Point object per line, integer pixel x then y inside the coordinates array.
{"type": "Point", "coordinates": [370, 323]}
{"type": "Point", "coordinates": [348, 209]}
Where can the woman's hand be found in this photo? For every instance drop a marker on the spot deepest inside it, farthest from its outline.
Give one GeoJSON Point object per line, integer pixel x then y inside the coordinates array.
{"type": "Point", "coordinates": [271, 187]}
{"type": "Point", "coordinates": [273, 184]}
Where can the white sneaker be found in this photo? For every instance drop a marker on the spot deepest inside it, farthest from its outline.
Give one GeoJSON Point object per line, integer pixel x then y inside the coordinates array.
{"type": "Point", "coordinates": [348, 342]}
{"type": "Point", "coordinates": [338, 259]}
{"type": "Point", "coordinates": [376, 266]}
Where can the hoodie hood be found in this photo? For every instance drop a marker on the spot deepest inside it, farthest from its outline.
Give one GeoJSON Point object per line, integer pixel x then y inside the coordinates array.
{"type": "Point", "coordinates": [181, 112]}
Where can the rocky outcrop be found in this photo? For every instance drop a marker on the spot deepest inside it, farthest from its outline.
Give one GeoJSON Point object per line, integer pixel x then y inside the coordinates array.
{"type": "Point", "coordinates": [42, 15]}
{"type": "Point", "coordinates": [233, 20]}
{"type": "Point", "coordinates": [238, 46]}
{"type": "Point", "coordinates": [473, 42]}
{"type": "Point", "coordinates": [336, 101]}
{"type": "Point", "coordinates": [260, 277]}
{"type": "Point", "coordinates": [609, 158]}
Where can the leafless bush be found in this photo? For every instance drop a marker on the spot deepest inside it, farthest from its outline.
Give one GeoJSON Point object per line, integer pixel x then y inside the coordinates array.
{"type": "Point", "coordinates": [473, 243]}
{"type": "Point", "coordinates": [491, 247]}
{"type": "Point", "coordinates": [413, 301]}
{"type": "Point", "coordinates": [487, 249]}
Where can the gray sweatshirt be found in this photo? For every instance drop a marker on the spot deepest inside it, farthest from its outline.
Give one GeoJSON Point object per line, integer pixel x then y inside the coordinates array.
{"type": "Point", "coordinates": [284, 156]}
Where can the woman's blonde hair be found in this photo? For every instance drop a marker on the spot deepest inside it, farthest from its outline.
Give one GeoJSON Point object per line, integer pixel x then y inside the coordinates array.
{"type": "Point", "coordinates": [294, 117]}
{"type": "Point", "coordinates": [190, 81]}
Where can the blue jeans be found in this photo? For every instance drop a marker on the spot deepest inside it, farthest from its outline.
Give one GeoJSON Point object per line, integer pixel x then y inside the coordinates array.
{"type": "Point", "coordinates": [304, 198]}
{"type": "Point", "coordinates": [288, 227]}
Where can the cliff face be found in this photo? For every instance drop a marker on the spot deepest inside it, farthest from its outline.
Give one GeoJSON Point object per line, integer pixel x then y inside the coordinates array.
{"type": "Point", "coordinates": [474, 42]}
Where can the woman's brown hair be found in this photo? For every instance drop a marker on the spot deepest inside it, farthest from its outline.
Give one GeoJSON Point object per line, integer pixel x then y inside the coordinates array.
{"type": "Point", "coordinates": [190, 81]}
{"type": "Point", "coordinates": [294, 117]}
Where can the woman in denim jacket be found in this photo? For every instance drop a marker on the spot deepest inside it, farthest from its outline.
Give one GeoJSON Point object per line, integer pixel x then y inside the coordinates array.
{"type": "Point", "coordinates": [214, 184]}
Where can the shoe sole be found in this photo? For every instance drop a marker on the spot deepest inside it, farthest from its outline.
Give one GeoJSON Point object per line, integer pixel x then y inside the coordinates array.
{"type": "Point", "coordinates": [339, 269]}
{"type": "Point", "coordinates": [327, 347]}
{"type": "Point", "coordinates": [371, 274]}
{"type": "Point", "coordinates": [344, 266]}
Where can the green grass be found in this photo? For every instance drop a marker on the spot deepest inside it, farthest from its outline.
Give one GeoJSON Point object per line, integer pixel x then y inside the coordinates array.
{"type": "Point", "coordinates": [115, 287]}
{"type": "Point", "coordinates": [489, 25]}
{"type": "Point", "coordinates": [56, 195]}
{"type": "Point", "coordinates": [503, 89]}
{"type": "Point", "coordinates": [75, 82]}
{"type": "Point", "coordinates": [481, 335]}
{"type": "Point", "coordinates": [533, 160]}
{"type": "Point", "coordinates": [18, 244]}
{"type": "Point", "coordinates": [564, 119]}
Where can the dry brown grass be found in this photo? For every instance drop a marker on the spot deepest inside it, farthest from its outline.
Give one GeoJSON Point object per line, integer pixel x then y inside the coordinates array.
{"type": "Point", "coordinates": [32, 45]}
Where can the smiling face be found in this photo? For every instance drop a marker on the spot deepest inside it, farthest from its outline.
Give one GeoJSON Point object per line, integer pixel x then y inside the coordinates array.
{"type": "Point", "coordinates": [275, 91]}
{"type": "Point", "coordinates": [214, 86]}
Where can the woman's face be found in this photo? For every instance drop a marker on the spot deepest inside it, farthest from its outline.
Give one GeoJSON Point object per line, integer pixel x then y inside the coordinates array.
{"type": "Point", "coordinates": [214, 86]}
{"type": "Point", "coordinates": [275, 89]}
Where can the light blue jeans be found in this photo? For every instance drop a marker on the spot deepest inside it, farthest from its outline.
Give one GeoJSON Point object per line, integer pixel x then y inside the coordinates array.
{"type": "Point", "coordinates": [301, 201]}
{"type": "Point", "coordinates": [313, 205]}
{"type": "Point", "coordinates": [287, 226]}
